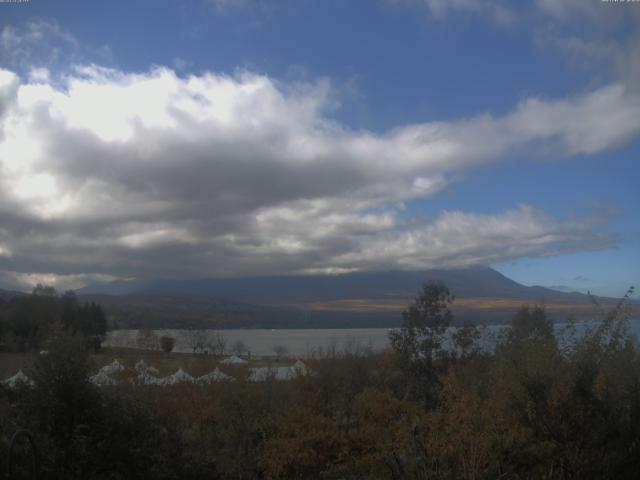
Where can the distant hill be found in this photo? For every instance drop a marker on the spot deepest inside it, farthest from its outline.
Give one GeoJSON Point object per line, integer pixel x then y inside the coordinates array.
{"type": "Point", "coordinates": [178, 310]}
{"type": "Point", "coordinates": [471, 282]}
{"type": "Point", "coordinates": [8, 294]}
{"type": "Point", "coordinates": [352, 300]}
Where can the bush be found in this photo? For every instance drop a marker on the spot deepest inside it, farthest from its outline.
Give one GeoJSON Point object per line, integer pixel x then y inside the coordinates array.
{"type": "Point", "coordinates": [167, 343]}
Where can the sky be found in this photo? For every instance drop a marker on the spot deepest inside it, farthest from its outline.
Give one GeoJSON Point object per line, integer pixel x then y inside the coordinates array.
{"type": "Point", "coordinates": [218, 138]}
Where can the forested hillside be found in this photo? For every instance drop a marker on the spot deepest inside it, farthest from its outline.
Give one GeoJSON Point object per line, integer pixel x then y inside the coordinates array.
{"type": "Point", "coordinates": [354, 300]}
{"type": "Point", "coordinates": [27, 321]}
{"type": "Point", "coordinates": [529, 409]}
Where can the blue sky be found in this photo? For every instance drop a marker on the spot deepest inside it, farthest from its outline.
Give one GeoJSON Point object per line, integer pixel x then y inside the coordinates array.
{"type": "Point", "coordinates": [361, 135]}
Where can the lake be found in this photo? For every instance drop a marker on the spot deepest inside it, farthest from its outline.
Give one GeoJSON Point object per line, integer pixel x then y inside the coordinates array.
{"type": "Point", "coordinates": [262, 342]}
{"type": "Point", "coordinates": [302, 342]}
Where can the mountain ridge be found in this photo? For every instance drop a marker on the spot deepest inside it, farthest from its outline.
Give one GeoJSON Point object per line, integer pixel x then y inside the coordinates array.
{"type": "Point", "coordinates": [475, 282]}
{"type": "Point", "coordinates": [349, 300]}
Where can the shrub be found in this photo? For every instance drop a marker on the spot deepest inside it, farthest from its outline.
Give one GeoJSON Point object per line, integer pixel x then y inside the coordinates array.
{"type": "Point", "coordinates": [167, 343]}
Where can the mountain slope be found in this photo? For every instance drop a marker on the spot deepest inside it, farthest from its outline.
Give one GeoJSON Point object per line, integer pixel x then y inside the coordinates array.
{"type": "Point", "coordinates": [471, 282]}
{"type": "Point", "coordinates": [358, 299]}
{"type": "Point", "coordinates": [176, 310]}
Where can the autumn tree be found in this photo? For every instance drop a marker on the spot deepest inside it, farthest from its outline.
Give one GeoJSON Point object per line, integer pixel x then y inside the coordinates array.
{"type": "Point", "coordinates": [419, 341]}
{"type": "Point", "coordinates": [464, 432]}
{"type": "Point", "coordinates": [63, 405]}
{"type": "Point", "coordinates": [217, 344]}
{"type": "Point", "coordinates": [27, 321]}
{"type": "Point", "coordinates": [239, 347]}
{"type": "Point", "coordinates": [147, 338]}
{"type": "Point", "coordinates": [388, 440]}
{"type": "Point", "coordinates": [280, 350]}
{"type": "Point", "coordinates": [85, 432]}
{"type": "Point", "coordinates": [301, 444]}
{"type": "Point", "coordinates": [465, 339]}
{"type": "Point", "coordinates": [196, 339]}
{"type": "Point", "coordinates": [530, 324]}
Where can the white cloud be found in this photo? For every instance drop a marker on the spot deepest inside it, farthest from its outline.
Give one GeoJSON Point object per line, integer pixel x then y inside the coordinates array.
{"type": "Point", "coordinates": [23, 46]}
{"type": "Point", "coordinates": [570, 9]}
{"type": "Point", "coordinates": [4, 251]}
{"type": "Point", "coordinates": [601, 38]}
{"type": "Point", "coordinates": [254, 11]}
{"type": "Point", "coordinates": [223, 4]}
{"type": "Point", "coordinates": [40, 44]}
{"type": "Point", "coordinates": [141, 174]}
{"type": "Point", "coordinates": [458, 239]}
{"type": "Point", "coordinates": [595, 36]}
{"type": "Point", "coordinates": [495, 10]}
{"type": "Point", "coordinates": [26, 281]}
{"type": "Point", "coordinates": [40, 75]}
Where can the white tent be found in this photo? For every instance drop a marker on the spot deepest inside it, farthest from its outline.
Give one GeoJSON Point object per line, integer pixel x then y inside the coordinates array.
{"type": "Point", "coordinates": [143, 369]}
{"type": "Point", "coordinates": [299, 368]}
{"type": "Point", "coordinates": [179, 377]}
{"type": "Point", "coordinates": [234, 360]}
{"type": "Point", "coordinates": [18, 379]}
{"type": "Point", "coordinates": [215, 376]}
{"type": "Point", "coordinates": [147, 375]}
{"type": "Point", "coordinates": [113, 367]}
{"type": "Point", "coordinates": [146, 378]}
{"type": "Point", "coordinates": [141, 366]}
{"type": "Point", "coordinates": [101, 379]}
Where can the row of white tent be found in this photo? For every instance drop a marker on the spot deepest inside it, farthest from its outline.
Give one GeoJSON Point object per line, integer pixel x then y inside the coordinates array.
{"type": "Point", "coordinates": [148, 375]}
{"type": "Point", "coordinates": [17, 380]}
{"type": "Point", "coordinates": [234, 360]}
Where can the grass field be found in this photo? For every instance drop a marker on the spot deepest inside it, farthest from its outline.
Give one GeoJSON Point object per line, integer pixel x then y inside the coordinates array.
{"type": "Point", "coordinates": [472, 304]}
{"type": "Point", "coordinates": [166, 363]}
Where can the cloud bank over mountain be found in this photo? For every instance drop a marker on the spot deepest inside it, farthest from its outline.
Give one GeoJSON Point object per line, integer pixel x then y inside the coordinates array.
{"type": "Point", "coordinates": [108, 174]}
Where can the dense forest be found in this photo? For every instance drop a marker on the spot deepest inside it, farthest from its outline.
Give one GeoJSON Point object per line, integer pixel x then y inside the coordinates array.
{"type": "Point", "coordinates": [28, 321]}
{"type": "Point", "coordinates": [531, 408]}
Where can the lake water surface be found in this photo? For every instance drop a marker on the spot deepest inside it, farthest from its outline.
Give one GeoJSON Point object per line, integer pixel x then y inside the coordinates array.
{"type": "Point", "coordinates": [302, 342]}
